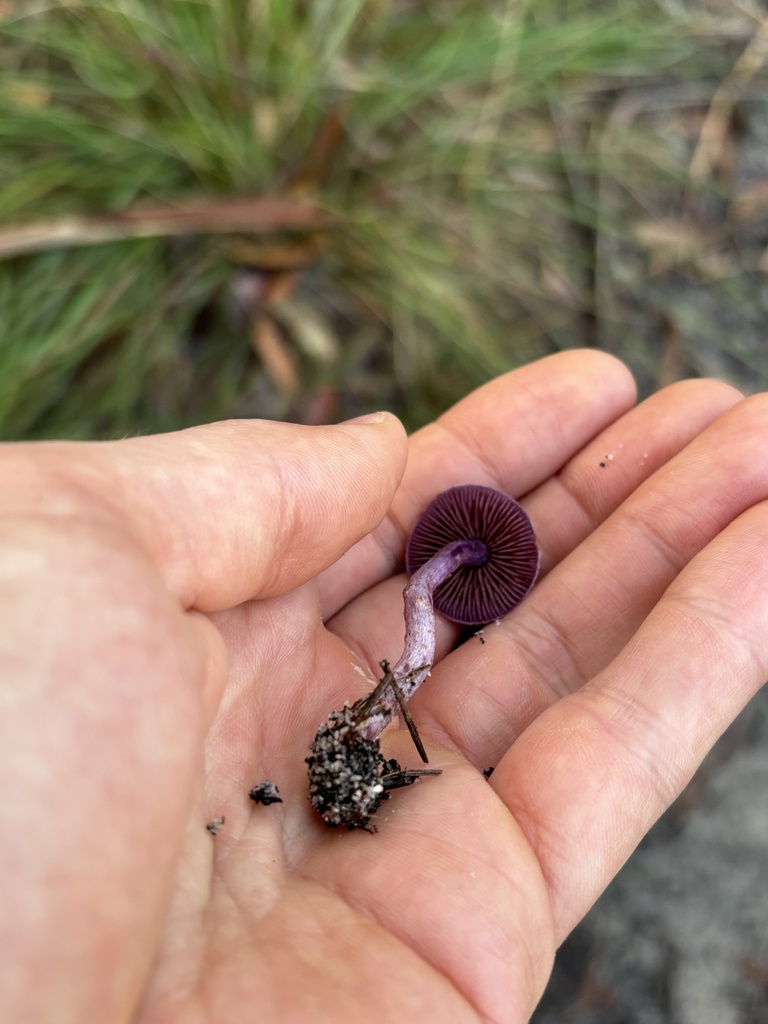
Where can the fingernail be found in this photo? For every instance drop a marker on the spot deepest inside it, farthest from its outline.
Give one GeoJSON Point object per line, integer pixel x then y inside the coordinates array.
{"type": "Point", "coordinates": [371, 417]}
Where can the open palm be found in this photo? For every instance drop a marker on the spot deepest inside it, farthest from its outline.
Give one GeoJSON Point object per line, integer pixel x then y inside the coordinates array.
{"type": "Point", "coordinates": [183, 615]}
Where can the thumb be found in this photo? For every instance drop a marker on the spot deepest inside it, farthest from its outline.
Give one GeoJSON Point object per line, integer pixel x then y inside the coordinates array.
{"type": "Point", "coordinates": [246, 508]}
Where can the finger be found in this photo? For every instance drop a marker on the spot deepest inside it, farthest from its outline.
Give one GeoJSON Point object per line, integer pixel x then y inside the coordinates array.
{"type": "Point", "coordinates": [568, 506]}
{"type": "Point", "coordinates": [510, 434]}
{"type": "Point", "coordinates": [565, 509]}
{"type": "Point", "coordinates": [590, 775]}
{"type": "Point", "coordinates": [231, 510]}
{"type": "Point", "coordinates": [583, 613]}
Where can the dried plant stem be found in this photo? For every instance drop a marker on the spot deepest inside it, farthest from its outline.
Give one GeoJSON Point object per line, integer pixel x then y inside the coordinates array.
{"type": "Point", "coordinates": [226, 216]}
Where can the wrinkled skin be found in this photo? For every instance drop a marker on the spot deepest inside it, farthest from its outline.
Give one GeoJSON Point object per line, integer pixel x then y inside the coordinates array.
{"type": "Point", "coordinates": [179, 613]}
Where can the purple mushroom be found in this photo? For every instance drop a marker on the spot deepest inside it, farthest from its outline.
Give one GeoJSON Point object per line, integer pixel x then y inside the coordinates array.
{"type": "Point", "coordinates": [471, 556]}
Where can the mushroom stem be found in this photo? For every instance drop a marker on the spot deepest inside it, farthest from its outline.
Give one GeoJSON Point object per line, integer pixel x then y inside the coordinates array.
{"type": "Point", "coordinates": [348, 774]}
{"type": "Point", "coordinates": [415, 663]}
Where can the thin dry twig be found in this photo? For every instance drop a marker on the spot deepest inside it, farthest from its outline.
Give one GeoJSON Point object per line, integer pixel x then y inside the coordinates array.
{"type": "Point", "coordinates": [226, 216]}
{"type": "Point", "coordinates": [710, 147]}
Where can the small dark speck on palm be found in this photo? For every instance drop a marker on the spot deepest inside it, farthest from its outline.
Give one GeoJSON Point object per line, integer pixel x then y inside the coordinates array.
{"type": "Point", "coordinates": [266, 793]}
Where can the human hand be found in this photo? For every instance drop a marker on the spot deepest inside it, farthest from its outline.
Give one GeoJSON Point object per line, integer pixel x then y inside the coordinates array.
{"type": "Point", "coordinates": [164, 649]}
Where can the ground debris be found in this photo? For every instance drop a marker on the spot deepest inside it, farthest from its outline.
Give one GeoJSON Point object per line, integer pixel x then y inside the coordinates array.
{"type": "Point", "coordinates": [266, 793]}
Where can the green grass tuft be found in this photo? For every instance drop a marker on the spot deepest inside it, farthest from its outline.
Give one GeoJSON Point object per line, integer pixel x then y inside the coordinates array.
{"type": "Point", "coordinates": [469, 153]}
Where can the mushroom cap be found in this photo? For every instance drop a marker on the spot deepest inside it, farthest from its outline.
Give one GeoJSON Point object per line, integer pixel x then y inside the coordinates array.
{"type": "Point", "coordinates": [474, 595]}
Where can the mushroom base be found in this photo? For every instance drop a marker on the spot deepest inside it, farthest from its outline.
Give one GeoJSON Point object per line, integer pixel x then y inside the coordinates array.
{"type": "Point", "coordinates": [345, 773]}
{"type": "Point", "coordinates": [348, 774]}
